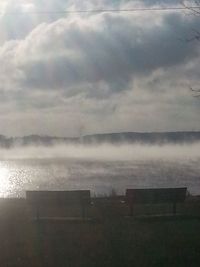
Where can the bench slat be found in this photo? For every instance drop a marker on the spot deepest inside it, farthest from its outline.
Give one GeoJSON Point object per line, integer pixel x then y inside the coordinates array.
{"type": "Point", "coordinates": [156, 195]}
{"type": "Point", "coordinates": [59, 197]}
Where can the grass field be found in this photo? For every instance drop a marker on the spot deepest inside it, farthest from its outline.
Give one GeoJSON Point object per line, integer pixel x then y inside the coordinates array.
{"type": "Point", "coordinates": [114, 240]}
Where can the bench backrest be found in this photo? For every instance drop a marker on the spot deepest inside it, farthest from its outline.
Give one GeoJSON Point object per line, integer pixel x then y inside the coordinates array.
{"type": "Point", "coordinates": [156, 195]}
{"type": "Point", "coordinates": [76, 197]}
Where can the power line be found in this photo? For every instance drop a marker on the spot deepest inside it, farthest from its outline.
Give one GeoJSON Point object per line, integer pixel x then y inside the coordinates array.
{"type": "Point", "coordinates": [142, 9]}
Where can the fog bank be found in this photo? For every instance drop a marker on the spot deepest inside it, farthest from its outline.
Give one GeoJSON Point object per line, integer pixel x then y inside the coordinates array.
{"type": "Point", "coordinates": [123, 152]}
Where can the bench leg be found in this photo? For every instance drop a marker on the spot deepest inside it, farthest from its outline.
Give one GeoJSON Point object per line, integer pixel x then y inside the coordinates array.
{"type": "Point", "coordinates": [174, 208]}
{"type": "Point", "coordinates": [83, 208]}
{"type": "Point", "coordinates": [37, 213]}
{"type": "Point", "coordinates": [131, 210]}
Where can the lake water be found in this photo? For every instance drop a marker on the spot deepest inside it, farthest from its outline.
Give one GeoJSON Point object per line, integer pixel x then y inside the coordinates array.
{"type": "Point", "coordinates": [99, 174]}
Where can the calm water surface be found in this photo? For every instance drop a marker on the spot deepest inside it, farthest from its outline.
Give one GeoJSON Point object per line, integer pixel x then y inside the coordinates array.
{"type": "Point", "coordinates": [17, 176]}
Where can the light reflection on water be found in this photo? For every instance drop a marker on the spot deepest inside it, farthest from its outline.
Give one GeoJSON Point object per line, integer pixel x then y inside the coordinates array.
{"type": "Point", "coordinates": [101, 177]}
{"type": "Point", "coordinates": [5, 184]}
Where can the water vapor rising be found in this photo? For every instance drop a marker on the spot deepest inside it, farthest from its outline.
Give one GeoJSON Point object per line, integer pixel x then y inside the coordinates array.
{"type": "Point", "coordinates": [111, 152]}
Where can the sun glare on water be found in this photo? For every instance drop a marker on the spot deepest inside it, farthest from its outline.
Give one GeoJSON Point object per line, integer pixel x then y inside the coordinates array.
{"type": "Point", "coordinates": [5, 184]}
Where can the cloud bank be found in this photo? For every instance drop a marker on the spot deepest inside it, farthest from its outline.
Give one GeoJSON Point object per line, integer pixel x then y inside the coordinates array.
{"type": "Point", "coordinates": [69, 74]}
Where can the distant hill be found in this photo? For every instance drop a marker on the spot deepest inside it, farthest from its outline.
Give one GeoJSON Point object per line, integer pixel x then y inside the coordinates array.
{"type": "Point", "coordinates": [37, 140]}
{"type": "Point", "coordinates": [151, 137]}
{"type": "Point", "coordinates": [113, 138]}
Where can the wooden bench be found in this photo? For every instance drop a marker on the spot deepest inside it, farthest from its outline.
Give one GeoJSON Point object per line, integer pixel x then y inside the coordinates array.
{"type": "Point", "coordinates": [58, 200]}
{"type": "Point", "coordinates": [155, 196]}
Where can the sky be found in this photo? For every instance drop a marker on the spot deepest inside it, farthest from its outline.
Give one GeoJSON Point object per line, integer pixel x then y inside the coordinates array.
{"type": "Point", "coordinates": [83, 73]}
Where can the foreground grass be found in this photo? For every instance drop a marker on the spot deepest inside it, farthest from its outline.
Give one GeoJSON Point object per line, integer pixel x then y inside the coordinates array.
{"type": "Point", "coordinates": [123, 243]}
{"type": "Point", "coordinates": [116, 241]}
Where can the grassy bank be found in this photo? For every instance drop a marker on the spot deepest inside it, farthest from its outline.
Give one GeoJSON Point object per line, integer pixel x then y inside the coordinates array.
{"type": "Point", "coordinates": [110, 241]}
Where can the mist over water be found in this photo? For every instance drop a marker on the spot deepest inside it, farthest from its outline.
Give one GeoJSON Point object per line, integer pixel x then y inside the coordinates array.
{"type": "Point", "coordinates": [99, 168]}
{"type": "Point", "coordinates": [111, 152]}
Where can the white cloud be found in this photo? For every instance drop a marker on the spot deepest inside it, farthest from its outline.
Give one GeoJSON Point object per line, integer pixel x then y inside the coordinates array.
{"type": "Point", "coordinates": [100, 72]}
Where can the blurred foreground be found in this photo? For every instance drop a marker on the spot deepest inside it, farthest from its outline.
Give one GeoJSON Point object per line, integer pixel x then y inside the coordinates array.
{"type": "Point", "coordinates": [110, 239]}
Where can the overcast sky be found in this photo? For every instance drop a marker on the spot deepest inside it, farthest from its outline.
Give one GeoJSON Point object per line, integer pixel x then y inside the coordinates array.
{"type": "Point", "coordinates": [69, 75]}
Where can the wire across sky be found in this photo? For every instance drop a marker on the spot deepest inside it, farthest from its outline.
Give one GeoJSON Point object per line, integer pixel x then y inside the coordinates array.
{"type": "Point", "coordinates": [142, 9]}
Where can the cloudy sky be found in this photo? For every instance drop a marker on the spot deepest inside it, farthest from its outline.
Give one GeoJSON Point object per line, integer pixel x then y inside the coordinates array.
{"type": "Point", "coordinates": [72, 74]}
